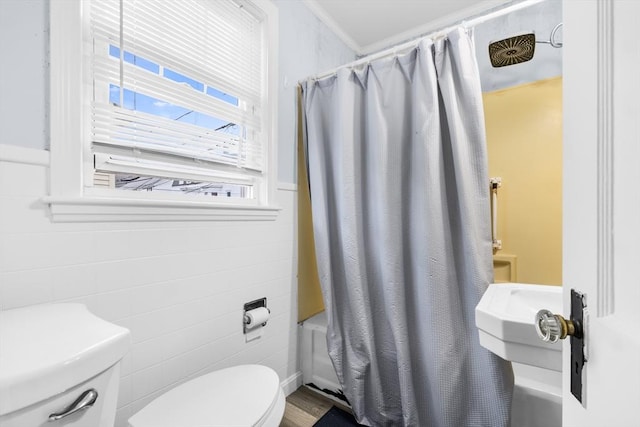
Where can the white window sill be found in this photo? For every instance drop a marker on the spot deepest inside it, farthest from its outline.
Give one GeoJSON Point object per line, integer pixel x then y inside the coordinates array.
{"type": "Point", "coordinates": [100, 209]}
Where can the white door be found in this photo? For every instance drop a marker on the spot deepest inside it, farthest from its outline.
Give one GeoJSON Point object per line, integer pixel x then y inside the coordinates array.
{"type": "Point", "coordinates": [602, 205]}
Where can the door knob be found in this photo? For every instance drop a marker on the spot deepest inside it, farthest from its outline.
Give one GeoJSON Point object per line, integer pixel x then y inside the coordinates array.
{"type": "Point", "coordinates": [552, 327]}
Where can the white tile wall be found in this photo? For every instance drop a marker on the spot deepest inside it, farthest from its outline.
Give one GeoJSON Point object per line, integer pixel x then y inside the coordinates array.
{"type": "Point", "coordinates": [179, 287]}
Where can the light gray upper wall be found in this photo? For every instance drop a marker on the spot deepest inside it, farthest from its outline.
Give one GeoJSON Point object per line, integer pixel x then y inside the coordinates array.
{"type": "Point", "coordinates": [24, 43]}
{"type": "Point", "coordinates": [540, 18]}
{"type": "Point", "coordinates": [307, 47]}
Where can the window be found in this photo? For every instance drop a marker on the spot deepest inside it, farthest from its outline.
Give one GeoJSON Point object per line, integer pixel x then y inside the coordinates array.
{"type": "Point", "coordinates": [177, 102]}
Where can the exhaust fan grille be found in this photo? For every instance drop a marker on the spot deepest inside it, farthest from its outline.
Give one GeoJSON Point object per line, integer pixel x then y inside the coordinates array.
{"type": "Point", "coordinates": [513, 50]}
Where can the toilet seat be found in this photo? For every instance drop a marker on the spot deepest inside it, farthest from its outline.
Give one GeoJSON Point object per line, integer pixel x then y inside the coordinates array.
{"type": "Point", "coordinates": [245, 395]}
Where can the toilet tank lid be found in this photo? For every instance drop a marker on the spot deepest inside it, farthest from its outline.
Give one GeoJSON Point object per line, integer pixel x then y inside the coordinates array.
{"type": "Point", "coordinates": [238, 396]}
{"type": "Point", "coordinates": [47, 349]}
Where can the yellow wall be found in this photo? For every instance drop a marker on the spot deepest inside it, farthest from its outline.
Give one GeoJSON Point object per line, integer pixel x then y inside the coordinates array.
{"type": "Point", "coordinates": [524, 140]}
{"type": "Point", "coordinates": [309, 292]}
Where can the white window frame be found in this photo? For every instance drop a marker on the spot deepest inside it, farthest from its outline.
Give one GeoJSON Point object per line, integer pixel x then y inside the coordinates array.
{"type": "Point", "coordinates": [69, 199]}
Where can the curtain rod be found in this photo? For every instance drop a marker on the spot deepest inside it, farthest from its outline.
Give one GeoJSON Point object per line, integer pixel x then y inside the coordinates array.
{"type": "Point", "coordinates": [467, 23]}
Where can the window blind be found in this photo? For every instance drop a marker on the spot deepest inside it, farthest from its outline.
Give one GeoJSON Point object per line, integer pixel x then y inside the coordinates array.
{"type": "Point", "coordinates": [178, 79]}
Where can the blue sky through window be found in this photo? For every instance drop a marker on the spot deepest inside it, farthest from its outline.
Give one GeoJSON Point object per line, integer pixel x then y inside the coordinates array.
{"type": "Point", "coordinates": [135, 60]}
{"type": "Point", "coordinates": [181, 78]}
{"type": "Point", "coordinates": [147, 104]}
{"type": "Point", "coordinates": [221, 95]}
{"type": "Point", "coordinates": [140, 102]}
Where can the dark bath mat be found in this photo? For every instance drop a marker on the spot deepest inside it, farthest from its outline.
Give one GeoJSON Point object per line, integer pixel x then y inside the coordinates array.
{"type": "Point", "coordinates": [336, 417]}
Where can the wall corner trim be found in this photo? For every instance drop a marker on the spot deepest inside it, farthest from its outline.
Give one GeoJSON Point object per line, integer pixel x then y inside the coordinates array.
{"type": "Point", "coordinates": [286, 186]}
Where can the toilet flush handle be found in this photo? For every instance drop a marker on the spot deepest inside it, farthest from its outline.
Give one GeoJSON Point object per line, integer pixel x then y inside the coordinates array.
{"type": "Point", "coordinates": [552, 327]}
{"type": "Point", "coordinates": [85, 401]}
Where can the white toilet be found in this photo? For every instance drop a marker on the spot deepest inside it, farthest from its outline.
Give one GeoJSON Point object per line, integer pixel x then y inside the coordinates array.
{"type": "Point", "coordinates": [244, 395]}
{"type": "Point", "coordinates": [59, 366]}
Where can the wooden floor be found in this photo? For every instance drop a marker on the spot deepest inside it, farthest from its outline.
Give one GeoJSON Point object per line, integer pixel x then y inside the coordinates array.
{"type": "Point", "coordinates": [305, 407]}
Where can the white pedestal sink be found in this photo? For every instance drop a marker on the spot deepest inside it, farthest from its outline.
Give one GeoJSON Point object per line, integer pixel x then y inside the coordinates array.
{"type": "Point", "coordinates": [505, 320]}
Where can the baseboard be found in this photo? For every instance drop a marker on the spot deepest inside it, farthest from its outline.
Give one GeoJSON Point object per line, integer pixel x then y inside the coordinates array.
{"type": "Point", "coordinates": [336, 397]}
{"type": "Point", "coordinates": [292, 383]}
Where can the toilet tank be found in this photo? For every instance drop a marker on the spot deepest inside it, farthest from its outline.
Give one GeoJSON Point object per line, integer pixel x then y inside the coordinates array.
{"type": "Point", "coordinates": [55, 358]}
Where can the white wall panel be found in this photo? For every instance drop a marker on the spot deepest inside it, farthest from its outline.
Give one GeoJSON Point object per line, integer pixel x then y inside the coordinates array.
{"type": "Point", "coordinates": [179, 287]}
{"type": "Point", "coordinates": [307, 47]}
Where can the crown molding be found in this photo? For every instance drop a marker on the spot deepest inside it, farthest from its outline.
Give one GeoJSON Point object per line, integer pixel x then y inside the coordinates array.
{"type": "Point", "coordinates": [327, 20]}
{"type": "Point", "coordinates": [482, 7]}
{"type": "Point", "coordinates": [438, 24]}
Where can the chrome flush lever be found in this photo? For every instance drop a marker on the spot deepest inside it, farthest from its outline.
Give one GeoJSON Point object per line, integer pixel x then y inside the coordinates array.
{"type": "Point", "coordinates": [85, 401]}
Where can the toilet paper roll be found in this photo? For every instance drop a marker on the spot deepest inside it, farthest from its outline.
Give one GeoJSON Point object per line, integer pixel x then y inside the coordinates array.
{"type": "Point", "coordinates": [256, 317]}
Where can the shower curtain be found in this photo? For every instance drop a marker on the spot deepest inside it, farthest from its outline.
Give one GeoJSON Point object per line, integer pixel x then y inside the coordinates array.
{"type": "Point", "coordinates": [400, 204]}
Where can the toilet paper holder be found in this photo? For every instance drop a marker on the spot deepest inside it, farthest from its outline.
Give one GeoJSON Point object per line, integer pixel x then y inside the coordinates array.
{"type": "Point", "coordinates": [252, 305]}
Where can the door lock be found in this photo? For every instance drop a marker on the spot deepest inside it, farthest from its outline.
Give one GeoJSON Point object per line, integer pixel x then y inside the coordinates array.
{"type": "Point", "coordinates": [552, 327]}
